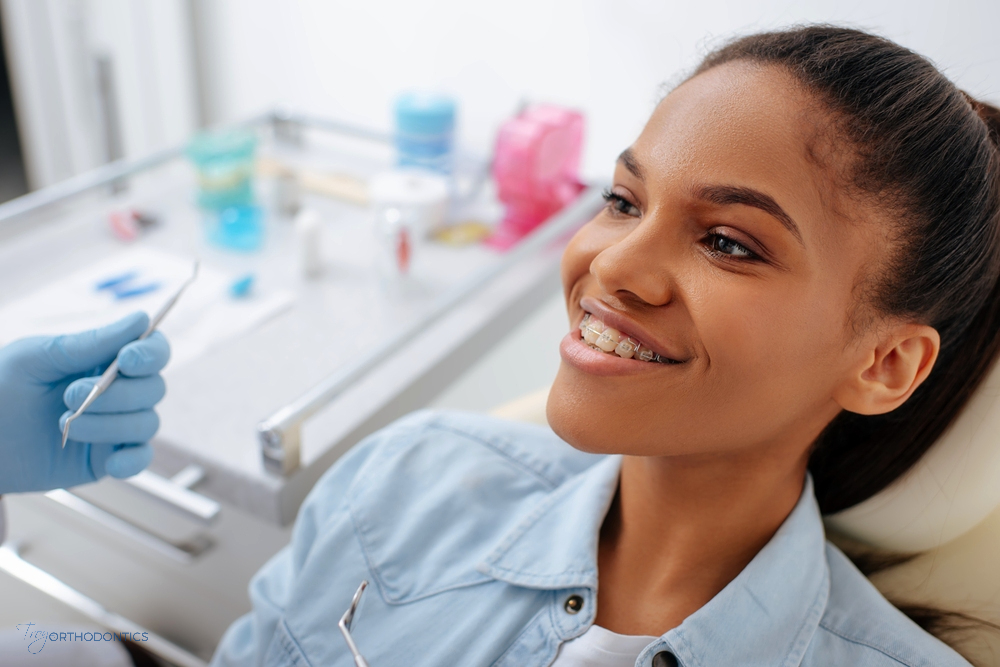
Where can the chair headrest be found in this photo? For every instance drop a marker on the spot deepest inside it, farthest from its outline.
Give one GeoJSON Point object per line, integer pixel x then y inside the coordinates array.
{"type": "Point", "coordinates": [953, 487]}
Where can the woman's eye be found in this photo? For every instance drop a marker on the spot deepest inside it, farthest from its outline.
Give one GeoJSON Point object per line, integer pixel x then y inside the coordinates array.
{"type": "Point", "coordinates": [723, 245]}
{"type": "Point", "coordinates": [620, 205]}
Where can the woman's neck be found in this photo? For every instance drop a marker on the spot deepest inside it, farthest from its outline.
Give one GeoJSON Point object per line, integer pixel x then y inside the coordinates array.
{"type": "Point", "coordinates": [680, 529]}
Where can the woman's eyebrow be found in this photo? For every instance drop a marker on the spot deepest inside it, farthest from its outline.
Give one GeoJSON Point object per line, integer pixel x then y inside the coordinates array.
{"type": "Point", "coordinates": [726, 195]}
{"type": "Point", "coordinates": [627, 158]}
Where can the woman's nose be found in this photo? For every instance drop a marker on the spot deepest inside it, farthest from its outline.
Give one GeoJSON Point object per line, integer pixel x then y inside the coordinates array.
{"type": "Point", "coordinates": [636, 265]}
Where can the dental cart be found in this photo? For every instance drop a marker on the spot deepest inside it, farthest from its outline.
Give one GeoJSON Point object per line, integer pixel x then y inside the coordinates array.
{"type": "Point", "coordinates": [249, 425]}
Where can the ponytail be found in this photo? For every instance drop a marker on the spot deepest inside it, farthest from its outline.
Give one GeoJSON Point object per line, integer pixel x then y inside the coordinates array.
{"type": "Point", "coordinates": [929, 155]}
{"type": "Point", "coordinates": [858, 455]}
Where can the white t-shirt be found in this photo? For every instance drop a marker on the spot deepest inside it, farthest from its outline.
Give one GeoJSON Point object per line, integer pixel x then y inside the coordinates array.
{"type": "Point", "coordinates": [599, 647]}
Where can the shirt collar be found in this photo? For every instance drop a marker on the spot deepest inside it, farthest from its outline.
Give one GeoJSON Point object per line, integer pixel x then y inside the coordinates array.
{"type": "Point", "coordinates": [555, 545]}
{"type": "Point", "coordinates": [766, 615]}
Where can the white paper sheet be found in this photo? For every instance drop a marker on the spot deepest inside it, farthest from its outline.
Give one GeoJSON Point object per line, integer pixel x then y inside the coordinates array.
{"type": "Point", "coordinates": [205, 316]}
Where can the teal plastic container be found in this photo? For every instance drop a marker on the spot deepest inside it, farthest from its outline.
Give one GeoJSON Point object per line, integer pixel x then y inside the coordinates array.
{"type": "Point", "coordinates": [237, 228]}
{"type": "Point", "coordinates": [224, 161]}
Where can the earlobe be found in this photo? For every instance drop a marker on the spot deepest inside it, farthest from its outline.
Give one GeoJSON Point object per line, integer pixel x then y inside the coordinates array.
{"type": "Point", "coordinates": [890, 371]}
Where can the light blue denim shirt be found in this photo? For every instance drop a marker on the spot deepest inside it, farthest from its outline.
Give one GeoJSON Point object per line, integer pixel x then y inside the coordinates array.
{"type": "Point", "coordinates": [474, 532]}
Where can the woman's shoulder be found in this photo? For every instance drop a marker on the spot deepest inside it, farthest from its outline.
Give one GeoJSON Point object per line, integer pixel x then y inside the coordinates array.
{"type": "Point", "coordinates": [442, 488]}
{"type": "Point", "coordinates": [445, 438]}
{"type": "Point", "coordinates": [438, 443]}
{"type": "Point", "coordinates": [861, 627]}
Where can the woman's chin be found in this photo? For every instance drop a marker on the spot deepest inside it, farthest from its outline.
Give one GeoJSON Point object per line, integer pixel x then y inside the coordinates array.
{"type": "Point", "coordinates": [580, 416]}
{"type": "Point", "coordinates": [603, 417]}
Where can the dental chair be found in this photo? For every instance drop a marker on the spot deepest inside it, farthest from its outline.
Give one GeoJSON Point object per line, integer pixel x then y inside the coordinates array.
{"type": "Point", "coordinates": [946, 510]}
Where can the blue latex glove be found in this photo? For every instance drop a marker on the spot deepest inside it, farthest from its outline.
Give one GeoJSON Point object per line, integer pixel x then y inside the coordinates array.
{"type": "Point", "coordinates": [41, 377]}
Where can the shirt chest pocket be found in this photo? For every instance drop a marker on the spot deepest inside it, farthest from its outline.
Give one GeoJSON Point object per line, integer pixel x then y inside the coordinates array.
{"type": "Point", "coordinates": [282, 651]}
{"type": "Point", "coordinates": [425, 527]}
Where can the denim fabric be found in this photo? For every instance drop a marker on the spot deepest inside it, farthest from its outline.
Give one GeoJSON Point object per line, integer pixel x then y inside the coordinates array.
{"type": "Point", "coordinates": [474, 532]}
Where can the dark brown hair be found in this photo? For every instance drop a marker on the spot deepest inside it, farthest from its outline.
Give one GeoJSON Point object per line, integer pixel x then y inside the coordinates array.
{"type": "Point", "coordinates": [928, 154]}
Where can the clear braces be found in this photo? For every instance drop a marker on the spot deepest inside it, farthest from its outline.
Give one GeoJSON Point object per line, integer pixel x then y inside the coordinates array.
{"type": "Point", "coordinates": [608, 339]}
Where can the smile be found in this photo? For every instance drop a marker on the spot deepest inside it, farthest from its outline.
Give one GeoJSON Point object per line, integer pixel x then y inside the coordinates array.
{"type": "Point", "coordinates": [611, 341]}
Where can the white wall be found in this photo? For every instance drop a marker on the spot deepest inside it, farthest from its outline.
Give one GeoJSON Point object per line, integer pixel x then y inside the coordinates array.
{"type": "Point", "coordinates": [347, 58]}
{"type": "Point", "coordinates": [152, 49]}
{"type": "Point", "coordinates": [52, 52]}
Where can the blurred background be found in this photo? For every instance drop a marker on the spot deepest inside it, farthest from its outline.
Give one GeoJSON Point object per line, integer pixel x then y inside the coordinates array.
{"type": "Point", "coordinates": [88, 82]}
{"type": "Point", "coordinates": [92, 80]}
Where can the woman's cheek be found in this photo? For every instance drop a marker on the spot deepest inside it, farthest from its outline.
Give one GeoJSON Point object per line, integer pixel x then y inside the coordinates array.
{"type": "Point", "coordinates": [577, 257]}
{"type": "Point", "coordinates": [586, 244]}
{"type": "Point", "coordinates": [757, 337]}
{"type": "Point", "coordinates": [738, 328]}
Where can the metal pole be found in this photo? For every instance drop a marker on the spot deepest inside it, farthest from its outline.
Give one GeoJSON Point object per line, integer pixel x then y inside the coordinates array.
{"type": "Point", "coordinates": [113, 172]}
{"type": "Point", "coordinates": [99, 177]}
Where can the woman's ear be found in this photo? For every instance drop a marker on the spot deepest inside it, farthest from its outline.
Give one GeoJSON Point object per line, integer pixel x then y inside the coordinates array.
{"type": "Point", "coordinates": [891, 370]}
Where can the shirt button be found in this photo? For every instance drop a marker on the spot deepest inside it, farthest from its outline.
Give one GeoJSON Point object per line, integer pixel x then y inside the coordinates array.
{"type": "Point", "coordinates": [664, 659]}
{"type": "Point", "coordinates": [574, 603]}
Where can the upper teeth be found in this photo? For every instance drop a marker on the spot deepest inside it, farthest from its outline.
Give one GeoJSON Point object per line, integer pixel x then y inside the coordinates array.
{"type": "Point", "coordinates": [608, 339]}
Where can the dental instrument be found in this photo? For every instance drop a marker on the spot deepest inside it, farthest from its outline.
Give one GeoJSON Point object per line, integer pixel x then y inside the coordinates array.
{"type": "Point", "coordinates": [345, 625]}
{"type": "Point", "coordinates": [112, 371]}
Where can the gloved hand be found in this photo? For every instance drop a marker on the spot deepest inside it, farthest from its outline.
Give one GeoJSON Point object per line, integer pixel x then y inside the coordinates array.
{"type": "Point", "coordinates": [42, 376]}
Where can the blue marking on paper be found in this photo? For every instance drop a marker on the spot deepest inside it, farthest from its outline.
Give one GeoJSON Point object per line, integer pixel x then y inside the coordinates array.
{"type": "Point", "coordinates": [241, 286]}
{"type": "Point", "coordinates": [136, 291]}
{"type": "Point", "coordinates": [123, 286]}
{"type": "Point", "coordinates": [114, 281]}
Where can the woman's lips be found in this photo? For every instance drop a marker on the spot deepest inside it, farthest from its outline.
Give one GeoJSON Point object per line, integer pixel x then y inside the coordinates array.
{"type": "Point", "coordinates": [608, 339]}
{"type": "Point", "coordinates": [577, 353]}
{"type": "Point", "coordinates": [625, 326]}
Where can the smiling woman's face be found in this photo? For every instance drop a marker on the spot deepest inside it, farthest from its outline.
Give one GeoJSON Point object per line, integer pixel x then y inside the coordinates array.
{"type": "Point", "coordinates": [724, 250]}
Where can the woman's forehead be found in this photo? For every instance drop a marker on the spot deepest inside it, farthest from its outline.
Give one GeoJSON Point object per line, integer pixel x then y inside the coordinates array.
{"type": "Point", "coordinates": [741, 118]}
{"type": "Point", "coordinates": [743, 125]}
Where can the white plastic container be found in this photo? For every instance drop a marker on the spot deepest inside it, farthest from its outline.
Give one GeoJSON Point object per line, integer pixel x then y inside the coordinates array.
{"type": "Point", "coordinates": [421, 198]}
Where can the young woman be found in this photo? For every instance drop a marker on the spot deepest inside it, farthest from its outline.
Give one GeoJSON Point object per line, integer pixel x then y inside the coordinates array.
{"type": "Point", "coordinates": [790, 294]}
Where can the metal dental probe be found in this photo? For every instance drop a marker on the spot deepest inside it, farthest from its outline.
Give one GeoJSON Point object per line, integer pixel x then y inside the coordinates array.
{"type": "Point", "coordinates": [112, 372]}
